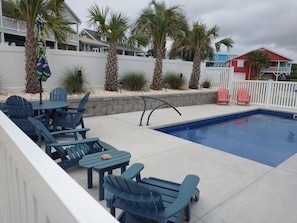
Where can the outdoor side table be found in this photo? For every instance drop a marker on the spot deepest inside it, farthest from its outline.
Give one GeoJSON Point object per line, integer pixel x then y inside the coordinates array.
{"type": "Point", "coordinates": [120, 159]}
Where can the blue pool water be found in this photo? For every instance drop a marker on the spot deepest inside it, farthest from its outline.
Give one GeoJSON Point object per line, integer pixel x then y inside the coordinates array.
{"type": "Point", "coordinates": [264, 136]}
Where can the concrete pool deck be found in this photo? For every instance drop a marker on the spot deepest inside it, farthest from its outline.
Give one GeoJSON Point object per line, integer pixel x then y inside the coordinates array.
{"type": "Point", "coordinates": [232, 189]}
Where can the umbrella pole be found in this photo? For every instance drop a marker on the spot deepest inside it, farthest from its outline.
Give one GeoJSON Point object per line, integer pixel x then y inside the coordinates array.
{"type": "Point", "coordinates": [40, 91]}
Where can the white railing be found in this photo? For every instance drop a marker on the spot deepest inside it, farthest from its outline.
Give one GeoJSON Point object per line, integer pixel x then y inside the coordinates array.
{"type": "Point", "coordinates": [276, 69]}
{"type": "Point", "coordinates": [34, 189]}
{"type": "Point", "coordinates": [19, 26]}
{"type": "Point", "coordinates": [217, 76]}
{"type": "Point", "coordinates": [12, 24]}
{"type": "Point", "coordinates": [268, 93]}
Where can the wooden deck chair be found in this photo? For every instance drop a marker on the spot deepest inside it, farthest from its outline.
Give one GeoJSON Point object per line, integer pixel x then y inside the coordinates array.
{"type": "Point", "coordinates": [68, 153]}
{"type": "Point", "coordinates": [18, 110]}
{"type": "Point", "coordinates": [223, 96]}
{"type": "Point", "coordinates": [149, 199]}
{"type": "Point", "coordinates": [243, 96]}
{"type": "Point", "coordinates": [71, 118]}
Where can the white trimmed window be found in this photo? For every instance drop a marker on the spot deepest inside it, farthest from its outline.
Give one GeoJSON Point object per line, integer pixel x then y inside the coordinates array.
{"type": "Point", "coordinates": [240, 63]}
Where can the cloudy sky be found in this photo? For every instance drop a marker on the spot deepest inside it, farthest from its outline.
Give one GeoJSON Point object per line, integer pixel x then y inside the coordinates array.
{"type": "Point", "coordinates": [252, 24]}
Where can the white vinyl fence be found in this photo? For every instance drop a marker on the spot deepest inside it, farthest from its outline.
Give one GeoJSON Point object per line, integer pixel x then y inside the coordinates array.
{"type": "Point", "coordinates": [12, 69]}
{"type": "Point", "coordinates": [268, 93]}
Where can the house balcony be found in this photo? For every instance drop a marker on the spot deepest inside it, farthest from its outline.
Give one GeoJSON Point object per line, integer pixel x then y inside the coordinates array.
{"type": "Point", "coordinates": [18, 28]}
{"type": "Point", "coordinates": [276, 70]}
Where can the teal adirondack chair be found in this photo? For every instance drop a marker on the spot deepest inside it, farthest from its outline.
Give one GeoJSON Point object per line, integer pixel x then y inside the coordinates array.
{"type": "Point", "coordinates": [149, 199]}
{"type": "Point", "coordinates": [58, 94]}
{"type": "Point", "coordinates": [72, 117]}
{"type": "Point", "coordinates": [69, 152]}
{"type": "Point", "coordinates": [18, 110]}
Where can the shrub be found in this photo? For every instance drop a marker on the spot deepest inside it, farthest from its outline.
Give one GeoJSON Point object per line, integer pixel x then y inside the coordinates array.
{"type": "Point", "coordinates": [206, 84]}
{"type": "Point", "coordinates": [133, 81]}
{"type": "Point", "coordinates": [74, 80]}
{"type": "Point", "coordinates": [173, 80]}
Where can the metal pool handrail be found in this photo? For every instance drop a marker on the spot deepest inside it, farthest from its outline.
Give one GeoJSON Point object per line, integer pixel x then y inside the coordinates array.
{"type": "Point", "coordinates": [144, 108]}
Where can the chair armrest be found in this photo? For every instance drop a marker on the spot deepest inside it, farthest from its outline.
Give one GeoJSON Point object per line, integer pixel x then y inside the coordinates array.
{"type": "Point", "coordinates": [41, 116]}
{"type": "Point", "coordinates": [70, 131]}
{"type": "Point", "coordinates": [133, 171]}
{"type": "Point", "coordinates": [75, 142]}
{"type": "Point", "coordinates": [186, 190]}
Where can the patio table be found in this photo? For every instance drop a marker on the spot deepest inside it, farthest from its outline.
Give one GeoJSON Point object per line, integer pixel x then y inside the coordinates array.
{"type": "Point", "coordinates": [49, 105]}
{"type": "Point", "coordinates": [120, 159]}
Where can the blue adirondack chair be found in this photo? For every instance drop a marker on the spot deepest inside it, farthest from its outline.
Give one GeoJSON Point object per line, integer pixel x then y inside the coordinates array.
{"type": "Point", "coordinates": [71, 118]}
{"type": "Point", "coordinates": [58, 94]}
{"type": "Point", "coordinates": [149, 199]}
{"type": "Point", "coordinates": [19, 109]}
{"type": "Point", "coordinates": [69, 152]}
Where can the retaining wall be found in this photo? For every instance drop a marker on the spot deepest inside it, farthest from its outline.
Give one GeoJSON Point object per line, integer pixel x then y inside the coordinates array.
{"type": "Point", "coordinates": [122, 104]}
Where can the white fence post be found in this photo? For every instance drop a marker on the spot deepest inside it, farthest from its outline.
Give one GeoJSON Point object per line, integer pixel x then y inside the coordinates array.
{"type": "Point", "coordinates": [268, 93]}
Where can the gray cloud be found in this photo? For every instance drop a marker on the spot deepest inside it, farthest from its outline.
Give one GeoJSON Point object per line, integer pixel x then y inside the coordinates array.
{"type": "Point", "coordinates": [252, 24]}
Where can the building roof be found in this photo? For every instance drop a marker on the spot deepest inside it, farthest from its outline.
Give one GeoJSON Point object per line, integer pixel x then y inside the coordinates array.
{"type": "Point", "coordinates": [270, 52]}
{"type": "Point", "coordinates": [91, 41]}
{"type": "Point", "coordinates": [93, 35]}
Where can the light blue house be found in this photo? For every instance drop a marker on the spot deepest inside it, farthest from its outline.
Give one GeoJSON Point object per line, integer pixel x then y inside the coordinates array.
{"type": "Point", "coordinates": [219, 60]}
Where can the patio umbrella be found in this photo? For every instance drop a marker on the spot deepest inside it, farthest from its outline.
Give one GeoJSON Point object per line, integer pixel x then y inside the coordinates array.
{"type": "Point", "coordinates": [43, 71]}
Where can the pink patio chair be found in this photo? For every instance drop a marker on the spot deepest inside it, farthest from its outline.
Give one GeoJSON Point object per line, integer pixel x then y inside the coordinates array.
{"type": "Point", "coordinates": [223, 96]}
{"type": "Point", "coordinates": [243, 96]}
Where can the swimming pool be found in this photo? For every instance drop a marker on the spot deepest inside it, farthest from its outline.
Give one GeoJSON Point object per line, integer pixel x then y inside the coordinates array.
{"type": "Point", "coordinates": [265, 136]}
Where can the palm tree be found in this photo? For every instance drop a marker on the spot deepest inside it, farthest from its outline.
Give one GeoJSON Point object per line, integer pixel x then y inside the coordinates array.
{"type": "Point", "coordinates": [196, 45]}
{"type": "Point", "coordinates": [258, 60]}
{"type": "Point", "coordinates": [158, 22]}
{"type": "Point", "coordinates": [114, 29]}
{"type": "Point", "coordinates": [27, 11]}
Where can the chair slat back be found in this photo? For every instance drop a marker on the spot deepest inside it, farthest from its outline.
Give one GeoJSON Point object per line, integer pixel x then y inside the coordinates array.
{"type": "Point", "coordinates": [223, 93]}
{"type": "Point", "coordinates": [18, 107]}
{"type": "Point", "coordinates": [58, 94]}
{"type": "Point", "coordinates": [243, 93]}
{"type": "Point", "coordinates": [133, 197]}
{"type": "Point", "coordinates": [39, 127]}
{"type": "Point", "coordinates": [81, 107]}
{"type": "Point", "coordinates": [83, 102]}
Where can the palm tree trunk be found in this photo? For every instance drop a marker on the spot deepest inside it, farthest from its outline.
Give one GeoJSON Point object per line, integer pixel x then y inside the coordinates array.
{"type": "Point", "coordinates": [111, 69]}
{"type": "Point", "coordinates": [195, 76]}
{"type": "Point", "coordinates": [32, 84]}
{"type": "Point", "coordinates": [157, 78]}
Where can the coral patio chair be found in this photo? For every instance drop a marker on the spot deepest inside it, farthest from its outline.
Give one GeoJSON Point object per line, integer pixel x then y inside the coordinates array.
{"type": "Point", "coordinates": [149, 199]}
{"type": "Point", "coordinates": [243, 96]}
{"type": "Point", "coordinates": [223, 96]}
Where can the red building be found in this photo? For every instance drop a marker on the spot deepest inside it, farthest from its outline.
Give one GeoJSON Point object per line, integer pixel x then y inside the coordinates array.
{"type": "Point", "coordinates": [280, 66]}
